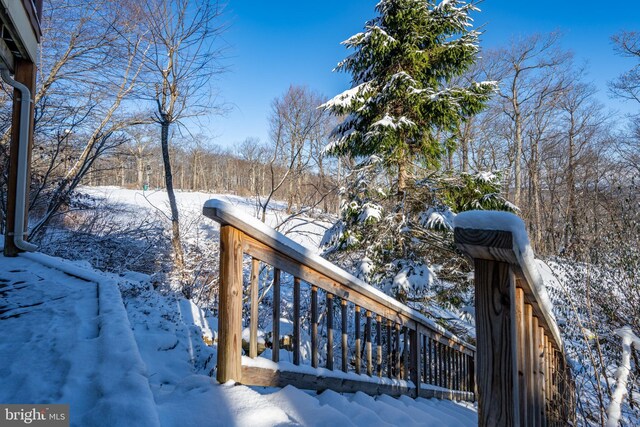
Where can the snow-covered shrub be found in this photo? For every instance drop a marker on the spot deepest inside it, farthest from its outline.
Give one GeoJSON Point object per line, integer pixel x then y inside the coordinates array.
{"type": "Point", "coordinates": [394, 242]}
{"type": "Point", "coordinates": [591, 302]}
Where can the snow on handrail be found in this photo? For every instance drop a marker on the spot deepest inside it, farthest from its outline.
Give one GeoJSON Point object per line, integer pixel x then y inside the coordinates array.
{"type": "Point", "coordinates": [520, 255]}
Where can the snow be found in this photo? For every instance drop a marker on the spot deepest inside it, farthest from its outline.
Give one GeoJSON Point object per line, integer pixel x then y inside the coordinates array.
{"type": "Point", "coordinates": [370, 212]}
{"type": "Point", "coordinates": [347, 97]}
{"type": "Point", "coordinates": [364, 37]}
{"type": "Point", "coordinates": [505, 221]}
{"type": "Point", "coordinates": [416, 278]}
{"type": "Point", "coordinates": [437, 219]}
{"type": "Point", "coordinates": [390, 122]}
{"type": "Point", "coordinates": [622, 374]}
{"type": "Point", "coordinates": [65, 339]}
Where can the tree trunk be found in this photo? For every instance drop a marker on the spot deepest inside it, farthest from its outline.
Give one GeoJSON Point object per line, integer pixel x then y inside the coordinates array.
{"type": "Point", "coordinates": [517, 150]}
{"type": "Point", "coordinates": [570, 228]}
{"type": "Point", "coordinates": [140, 169]}
{"type": "Point", "coordinates": [402, 177]}
{"type": "Point", "coordinates": [168, 179]}
{"type": "Point", "coordinates": [536, 217]}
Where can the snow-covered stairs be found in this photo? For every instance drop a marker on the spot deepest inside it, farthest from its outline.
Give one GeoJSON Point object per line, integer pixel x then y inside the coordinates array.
{"type": "Point", "coordinates": [65, 338]}
{"type": "Point", "coordinates": [169, 333]}
{"type": "Point", "coordinates": [330, 408]}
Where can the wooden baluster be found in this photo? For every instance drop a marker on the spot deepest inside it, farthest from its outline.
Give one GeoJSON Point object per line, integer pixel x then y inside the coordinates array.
{"type": "Point", "coordinates": [521, 348]}
{"type": "Point", "coordinates": [547, 376]}
{"type": "Point", "coordinates": [543, 378]}
{"type": "Point", "coordinates": [465, 371]}
{"type": "Point", "coordinates": [425, 358]}
{"type": "Point", "coordinates": [549, 367]}
{"type": "Point", "coordinates": [314, 326]}
{"type": "Point", "coordinates": [230, 306]}
{"type": "Point", "coordinates": [439, 363]}
{"type": "Point", "coordinates": [389, 349]}
{"type": "Point", "coordinates": [396, 352]}
{"type": "Point", "coordinates": [445, 371]}
{"type": "Point", "coordinates": [431, 352]}
{"type": "Point", "coordinates": [529, 365]}
{"type": "Point", "coordinates": [275, 345]}
{"type": "Point", "coordinates": [460, 371]}
{"type": "Point", "coordinates": [454, 368]}
{"type": "Point", "coordinates": [379, 345]}
{"type": "Point", "coordinates": [329, 331]}
{"type": "Point", "coordinates": [358, 341]}
{"type": "Point", "coordinates": [296, 321]}
{"type": "Point", "coordinates": [447, 367]}
{"type": "Point", "coordinates": [253, 316]}
{"type": "Point", "coordinates": [415, 345]}
{"type": "Point", "coordinates": [538, 398]}
{"type": "Point", "coordinates": [443, 357]}
{"type": "Point", "coordinates": [405, 353]}
{"type": "Point", "coordinates": [367, 338]}
{"type": "Point", "coordinates": [472, 374]}
{"type": "Point", "coordinates": [345, 345]}
{"type": "Point", "coordinates": [436, 362]}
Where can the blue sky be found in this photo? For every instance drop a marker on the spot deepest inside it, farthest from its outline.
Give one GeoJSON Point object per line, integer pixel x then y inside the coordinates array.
{"type": "Point", "coordinates": [275, 44]}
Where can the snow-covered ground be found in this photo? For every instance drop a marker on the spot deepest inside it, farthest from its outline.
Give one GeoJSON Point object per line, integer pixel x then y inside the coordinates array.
{"type": "Point", "coordinates": [123, 353]}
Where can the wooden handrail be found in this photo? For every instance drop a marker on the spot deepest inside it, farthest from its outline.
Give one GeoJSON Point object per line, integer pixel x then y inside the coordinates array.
{"type": "Point", "coordinates": [452, 359]}
{"type": "Point", "coordinates": [523, 375]}
{"type": "Point", "coordinates": [263, 238]}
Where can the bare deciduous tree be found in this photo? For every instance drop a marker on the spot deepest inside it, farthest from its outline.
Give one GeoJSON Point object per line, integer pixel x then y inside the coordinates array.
{"type": "Point", "coordinates": [525, 69]}
{"type": "Point", "coordinates": [90, 65]}
{"type": "Point", "coordinates": [181, 61]}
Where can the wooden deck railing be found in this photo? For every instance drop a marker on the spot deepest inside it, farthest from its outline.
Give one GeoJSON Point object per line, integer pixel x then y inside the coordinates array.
{"type": "Point", "coordinates": [522, 373]}
{"type": "Point", "coordinates": [384, 346]}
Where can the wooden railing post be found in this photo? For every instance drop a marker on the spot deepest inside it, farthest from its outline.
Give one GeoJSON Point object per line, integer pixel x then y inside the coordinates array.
{"type": "Point", "coordinates": [520, 357]}
{"type": "Point", "coordinates": [230, 306]}
{"type": "Point", "coordinates": [498, 403]}
{"type": "Point", "coordinates": [389, 349]}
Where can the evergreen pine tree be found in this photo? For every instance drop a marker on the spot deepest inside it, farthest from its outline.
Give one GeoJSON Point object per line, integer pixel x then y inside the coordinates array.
{"type": "Point", "coordinates": [401, 102]}
{"type": "Point", "coordinates": [400, 117]}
